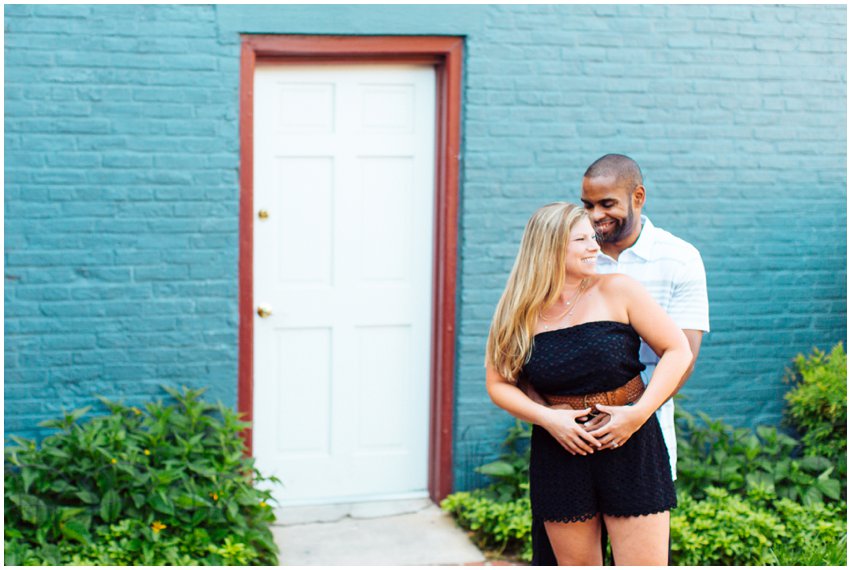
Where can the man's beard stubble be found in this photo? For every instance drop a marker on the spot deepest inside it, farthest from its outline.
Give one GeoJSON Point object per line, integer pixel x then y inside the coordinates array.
{"type": "Point", "coordinates": [621, 229]}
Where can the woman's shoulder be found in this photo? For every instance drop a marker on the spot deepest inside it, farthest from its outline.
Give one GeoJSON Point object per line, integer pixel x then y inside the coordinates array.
{"type": "Point", "coordinates": [616, 282]}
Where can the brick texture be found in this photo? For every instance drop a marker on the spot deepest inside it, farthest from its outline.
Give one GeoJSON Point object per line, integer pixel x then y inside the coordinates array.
{"type": "Point", "coordinates": [121, 202]}
{"type": "Point", "coordinates": [121, 186]}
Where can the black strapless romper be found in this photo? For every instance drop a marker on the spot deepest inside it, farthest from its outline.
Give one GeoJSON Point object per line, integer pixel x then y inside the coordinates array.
{"type": "Point", "coordinates": [631, 480]}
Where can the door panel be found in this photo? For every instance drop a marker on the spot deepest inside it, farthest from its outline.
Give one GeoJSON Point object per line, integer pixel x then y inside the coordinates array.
{"type": "Point", "coordinates": [344, 164]}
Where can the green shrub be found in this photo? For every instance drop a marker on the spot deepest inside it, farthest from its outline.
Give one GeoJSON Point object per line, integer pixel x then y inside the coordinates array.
{"type": "Point", "coordinates": [510, 473]}
{"type": "Point", "coordinates": [812, 553]}
{"type": "Point", "coordinates": [712, 453]}
{"type": "Point", "coordinates": [818, 404]}
{"type": "Point", "coordinates": [722, 529]}
{"type": "Point", "coordinates": [504, 526]}
{"type": "Point", "coordinates": [167, 485]}
{"type": "Point", "coordinates": [499, 516]}
{"type": "Point", "coordinates": [759, 529]}
{"type": "Point", "coordinates": [813, 534]}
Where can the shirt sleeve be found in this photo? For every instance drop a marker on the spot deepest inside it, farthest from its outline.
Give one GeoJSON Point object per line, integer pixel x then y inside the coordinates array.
{"type": "Point", "coordinates": [689, 305]}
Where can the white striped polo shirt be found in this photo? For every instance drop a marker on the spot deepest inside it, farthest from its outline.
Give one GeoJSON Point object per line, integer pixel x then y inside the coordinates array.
{"type": "Point", "coordinates": [672, 272]}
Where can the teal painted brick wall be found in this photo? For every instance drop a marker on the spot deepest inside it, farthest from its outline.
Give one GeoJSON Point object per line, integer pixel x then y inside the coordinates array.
{"type": "Point", "coordinates": [122, 158]}
{"type": "Point", "coordinates": [121, 202]}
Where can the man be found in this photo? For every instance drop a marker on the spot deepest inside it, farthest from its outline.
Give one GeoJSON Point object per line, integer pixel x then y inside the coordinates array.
{"type": "Point", "coordinates": [670, 268]}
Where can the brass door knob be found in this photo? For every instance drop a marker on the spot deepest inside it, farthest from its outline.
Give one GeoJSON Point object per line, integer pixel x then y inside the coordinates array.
{"type": "Point", "coordinates": [263, 214]}
{"type": "Point", "coordinates": [264, 312]}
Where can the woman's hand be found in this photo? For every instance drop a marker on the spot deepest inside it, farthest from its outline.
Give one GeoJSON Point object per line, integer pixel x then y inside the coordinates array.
{"type": "Point", "coordinates": [623, 422]}
{"type": "Point", "coordinates": [563, 426]}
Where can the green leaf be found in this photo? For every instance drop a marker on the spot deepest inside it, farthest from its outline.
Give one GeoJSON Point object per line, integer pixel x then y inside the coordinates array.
{"type": "Point", "coordinates": [110, 506]}
{"type": "Point", "coordinates": [138, 499]}
{"type": "Point", "coordinates": [160, 504]}
{"type": "Point", "coordinates": [812, 496]}
{"type": "Point", "coordinates": [88, 497]}
{"type": "Point", "coordinates": [814, 463]}
{"type": "Point", "coordinates": [826, 475]}
{"type": "Point", "coordinates": [56, 452]}
{"type": "Point", "coordinates": [34, 510]}
{"type": "Point", "coordinates": [61, 486]}
{"type": "Point", "coordinates": [497, 469]}
{"type": "Point", "coordinates": [69, 513]}
{"type": "Point", "coordinates": [767, 433]}
{"type": "Point", "coordinates": [169, 475]}
{"type": "Point", "coordinates": [75, 530]}
{"type": "Point", "coordinates": [233, 510]}
{"type": "Point", "coordinates": [197, 517]}
{"type": "Point", "coordinates": [830, 487]}
{"type": "Point", "coordinates": [202, 470]}
{"type": "Point", "coordinates": [759, 479]}
{"type": "Point", "coordinates": [22, 442]}
{"type": "Point", "coordinates": [51, 554]}
{"type": "Point", "coordinates": [187, 501]}
{"type": "Point", "coordinates": [29, 475]}
{"type": "Point", "coordinates": [782, 469]}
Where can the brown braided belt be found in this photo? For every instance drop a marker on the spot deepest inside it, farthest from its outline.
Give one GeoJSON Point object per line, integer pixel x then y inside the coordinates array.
{"type": "Point", "coordinates": [626, 394]}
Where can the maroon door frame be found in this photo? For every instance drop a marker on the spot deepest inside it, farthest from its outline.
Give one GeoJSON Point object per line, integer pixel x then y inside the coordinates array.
{"type": "Point", "coordinates": [445, 53]}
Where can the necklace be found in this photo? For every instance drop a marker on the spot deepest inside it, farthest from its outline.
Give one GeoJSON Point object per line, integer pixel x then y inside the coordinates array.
{"type": "Point", "coordinates": [570, 304]}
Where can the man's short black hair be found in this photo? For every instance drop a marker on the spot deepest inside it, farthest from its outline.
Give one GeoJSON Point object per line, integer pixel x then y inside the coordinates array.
{"type": "Point", "coordinates": [623, 168]}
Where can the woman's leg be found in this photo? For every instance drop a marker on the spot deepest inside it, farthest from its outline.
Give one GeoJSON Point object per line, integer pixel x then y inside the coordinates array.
{"type": "Point", "coordinates": [639, 541]}
{"type": "Point", "coordinates": [576, 543]}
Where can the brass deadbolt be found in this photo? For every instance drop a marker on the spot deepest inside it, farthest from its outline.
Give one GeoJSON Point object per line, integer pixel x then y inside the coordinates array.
{"type": "Point", "coordinates": [264, 312]}
{"type": "Point", "coordinates": [263, 214]}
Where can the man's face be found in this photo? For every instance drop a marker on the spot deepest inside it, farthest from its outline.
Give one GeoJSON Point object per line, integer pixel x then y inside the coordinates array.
{"type": "Point", "coordinates": [611, 207]}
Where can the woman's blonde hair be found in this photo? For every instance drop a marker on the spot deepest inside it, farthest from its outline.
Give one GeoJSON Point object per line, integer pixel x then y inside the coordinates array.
{"type": "Point", "coordinates": [535, 283]}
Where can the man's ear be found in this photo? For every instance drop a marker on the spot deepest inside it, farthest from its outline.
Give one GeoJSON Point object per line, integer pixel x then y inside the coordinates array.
{"type": "Point", "coordinates": [638, 196]}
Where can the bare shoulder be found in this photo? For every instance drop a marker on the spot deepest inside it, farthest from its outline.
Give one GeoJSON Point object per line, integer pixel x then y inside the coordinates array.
{"type": "Point", "coordinates": [617, 283]}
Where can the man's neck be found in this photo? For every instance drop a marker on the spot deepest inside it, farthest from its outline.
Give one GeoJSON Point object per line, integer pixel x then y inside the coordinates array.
{"type": "Point", "coordinates": [614, 250]}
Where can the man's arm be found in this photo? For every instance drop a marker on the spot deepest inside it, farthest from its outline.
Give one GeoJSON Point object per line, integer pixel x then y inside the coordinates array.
{"type": "Point", "coordinates": [694, 339]}
{"type": "Point", "coordinates": [689, 306]}
{"type": "Point", "coordinates": [533, 394]}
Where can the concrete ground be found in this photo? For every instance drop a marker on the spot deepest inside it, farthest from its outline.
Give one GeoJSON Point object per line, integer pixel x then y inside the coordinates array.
{"type": "Point", "coordinates": [411, 532]}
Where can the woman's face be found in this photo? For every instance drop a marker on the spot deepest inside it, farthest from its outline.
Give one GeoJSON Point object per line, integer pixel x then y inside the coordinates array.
{"type": "Point", "coordinates": [581, 256]}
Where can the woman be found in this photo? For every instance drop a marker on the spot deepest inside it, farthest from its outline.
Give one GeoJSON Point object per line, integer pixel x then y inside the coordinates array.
{"type": "Point", "coordinates": [572, 336]}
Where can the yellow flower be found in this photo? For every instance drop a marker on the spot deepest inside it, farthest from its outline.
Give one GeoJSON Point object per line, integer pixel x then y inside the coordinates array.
{"type": "Point", "coordinates": [114, 461]}
{"type": "Point", "coordinates": [147, 452]}
{"type": "Point", "coordinates": [157, 526]}
{"type": "Point", "coordinates": [263, 504]}
{"type": "Point", "coordinates": [215, 496]}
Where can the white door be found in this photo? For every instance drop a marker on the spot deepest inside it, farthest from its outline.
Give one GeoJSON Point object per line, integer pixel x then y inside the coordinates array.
{"type": "Point", "coordinates": [344, 167]}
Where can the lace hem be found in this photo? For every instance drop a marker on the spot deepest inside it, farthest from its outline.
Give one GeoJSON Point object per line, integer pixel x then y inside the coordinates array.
{"type": "Point", "coordinates": [589, 516]}
{"type": "Point", "coordinates": [643, 513]}
{"type": "Point", "coordinates": [575, 518]}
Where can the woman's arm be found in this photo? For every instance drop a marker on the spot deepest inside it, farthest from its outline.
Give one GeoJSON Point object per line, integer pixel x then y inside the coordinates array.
{"type": "Point", "coordinates": [668, 341]}
{"type": "Point", "coordinates": [560, 423]}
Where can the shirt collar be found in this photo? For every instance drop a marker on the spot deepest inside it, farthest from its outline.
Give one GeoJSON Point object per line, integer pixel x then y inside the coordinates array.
{"type": "Point", "coordinates": [643, 246]}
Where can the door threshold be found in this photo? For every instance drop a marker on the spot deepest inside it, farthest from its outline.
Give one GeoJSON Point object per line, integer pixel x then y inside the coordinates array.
{"type": "Point", "coordinates": [363, 508]}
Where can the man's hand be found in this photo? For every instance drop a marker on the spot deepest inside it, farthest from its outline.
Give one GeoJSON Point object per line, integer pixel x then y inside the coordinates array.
{"type": "Point", "coordinates": [597, 421]}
